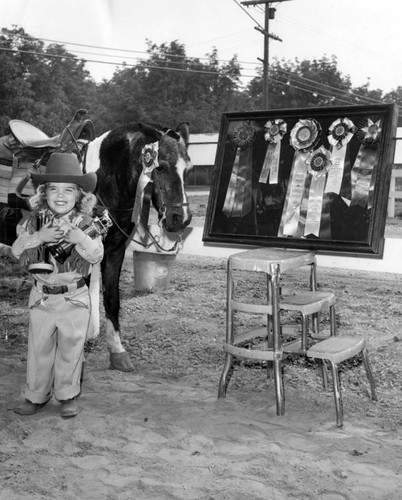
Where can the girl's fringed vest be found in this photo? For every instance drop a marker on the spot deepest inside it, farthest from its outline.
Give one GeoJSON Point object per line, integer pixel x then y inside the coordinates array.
{"type": "Point", "coordinates": [33, 221]}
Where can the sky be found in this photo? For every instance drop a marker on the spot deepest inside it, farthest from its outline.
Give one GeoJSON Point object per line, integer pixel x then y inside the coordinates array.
{"type": "Point", "coordinates": [364, 35]}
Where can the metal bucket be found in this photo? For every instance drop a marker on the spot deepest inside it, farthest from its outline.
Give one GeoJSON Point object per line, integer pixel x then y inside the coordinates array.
{"type": "Point", "coordinates": [152, 271]}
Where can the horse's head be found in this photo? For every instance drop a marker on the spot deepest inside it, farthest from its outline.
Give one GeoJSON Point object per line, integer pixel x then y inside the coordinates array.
{"type": "Point", "coordinates": [173, 163]}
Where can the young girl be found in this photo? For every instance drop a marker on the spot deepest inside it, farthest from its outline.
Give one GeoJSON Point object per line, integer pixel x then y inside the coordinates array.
{"type": "Point", "coordinates": [59, 303]}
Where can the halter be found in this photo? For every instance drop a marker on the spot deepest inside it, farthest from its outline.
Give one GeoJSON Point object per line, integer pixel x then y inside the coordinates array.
{"type": "Point", "coordinates": [150, 164]}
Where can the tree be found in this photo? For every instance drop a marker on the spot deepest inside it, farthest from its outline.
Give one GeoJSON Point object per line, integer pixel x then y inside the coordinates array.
{"type": "Point", "coordinates": [45, 85]}
{"type": "Point", "coordinates": [40, 85]}
{"type": "Point", "coordinates": [168, 87]}
{"type": "Point", "coordinates": [298, 84]}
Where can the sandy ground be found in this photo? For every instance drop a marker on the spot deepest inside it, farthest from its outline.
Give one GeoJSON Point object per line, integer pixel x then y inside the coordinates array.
{"type": "Point", "coordinates": [161, 433]}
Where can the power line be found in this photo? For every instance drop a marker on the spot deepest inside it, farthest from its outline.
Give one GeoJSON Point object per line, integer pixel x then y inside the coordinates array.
{"type": "Point", "coordinates": [312, 87]}
{"type": "Point", "coordinates": [249, 15]}
{"type": "Point", "coordinates": [312, 92]}
{"type": "Point", "coordinates": [167, 68]}
{"type": "Point", "coordinates": [325, 86]}
{"type": "Point", "coordinates": [186, 59]}
{"type": "Point", "coordinates": [114, 49]}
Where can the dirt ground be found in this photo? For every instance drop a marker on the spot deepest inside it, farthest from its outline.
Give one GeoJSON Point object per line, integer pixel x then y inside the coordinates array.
{"type": "Point", "coordinates": [161, 433]}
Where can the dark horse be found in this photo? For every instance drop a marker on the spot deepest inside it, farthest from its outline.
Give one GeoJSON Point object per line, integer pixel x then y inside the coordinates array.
{"type": "Point", "coordinates": [118, 159]}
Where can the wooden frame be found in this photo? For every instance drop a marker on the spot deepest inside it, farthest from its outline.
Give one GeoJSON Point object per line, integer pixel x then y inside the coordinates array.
{"type": "Point", "coordinates": [314, 178]}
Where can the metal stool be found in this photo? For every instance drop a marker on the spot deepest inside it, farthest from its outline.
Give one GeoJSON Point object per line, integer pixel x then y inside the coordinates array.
{"type": "Point", "coordinates": [338, 349]}
{"type": "Point", "coordinates": [272, 262]}
{"type": "Point", "coordinates": [308, 304]}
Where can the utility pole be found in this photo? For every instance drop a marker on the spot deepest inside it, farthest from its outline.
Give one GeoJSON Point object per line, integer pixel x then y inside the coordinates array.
{"type": "Point", "coordinates": [269, 14]}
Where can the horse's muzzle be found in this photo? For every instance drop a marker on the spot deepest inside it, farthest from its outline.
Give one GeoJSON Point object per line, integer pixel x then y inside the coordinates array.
{"type": "Point", "coordinates": [175, 220]}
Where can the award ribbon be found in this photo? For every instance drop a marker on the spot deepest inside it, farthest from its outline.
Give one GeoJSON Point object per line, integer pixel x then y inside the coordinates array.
{"type": "Point", "coordinates": [239, 193]}
{"type": "Point", "coordinates": [303, 137]}
{"type": "Point", "coordinates": [149, 156]}
{"type": "Point", "coordinates": [318, 164]}
{"type": "Point", "coordinates": [366, 160]}
{"type": "Point", "coordinates": [274, 131]}
{"type": "Point", "coordinates": [340, 133]}
{"type": "Point", "coordinates": [291, 210]}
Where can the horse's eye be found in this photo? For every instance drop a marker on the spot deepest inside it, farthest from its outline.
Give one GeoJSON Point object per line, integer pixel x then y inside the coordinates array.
{"type": "Point", "coordinates": [161, 168]}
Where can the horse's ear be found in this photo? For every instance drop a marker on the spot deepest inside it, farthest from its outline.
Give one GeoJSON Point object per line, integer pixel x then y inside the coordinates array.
{"type": "Point", "coordinates": [183, 129]}
{"type": "Point", "coordinates": [151, 134]}
{"type": "Point", "coordinates": [171, 133]}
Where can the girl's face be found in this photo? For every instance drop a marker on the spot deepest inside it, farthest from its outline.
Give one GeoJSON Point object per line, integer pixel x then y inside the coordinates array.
{"type": "Point", "coordinates": [61, 197]}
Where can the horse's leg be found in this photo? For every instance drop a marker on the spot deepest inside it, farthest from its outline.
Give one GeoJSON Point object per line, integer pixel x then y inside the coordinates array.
{"type": "Point", "coordinates": [111, 269]}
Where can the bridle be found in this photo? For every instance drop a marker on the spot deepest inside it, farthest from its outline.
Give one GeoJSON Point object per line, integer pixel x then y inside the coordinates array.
{"type": "Point", "coordinates": [163, 204]}
{"type": "Point", "coordinates": [140, 210]}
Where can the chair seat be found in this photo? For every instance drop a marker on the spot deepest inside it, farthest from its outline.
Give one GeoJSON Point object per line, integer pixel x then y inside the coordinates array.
{"type": "Point", "coordinates": [337, 349]}
{"type": "Point", "coordinates": [307, 302]}
{"type": "Point", "coordinates": [260, 259]}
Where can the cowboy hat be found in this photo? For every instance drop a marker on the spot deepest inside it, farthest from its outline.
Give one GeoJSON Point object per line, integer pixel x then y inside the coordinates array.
{"type": "Point", "coordinates": [64, 167]}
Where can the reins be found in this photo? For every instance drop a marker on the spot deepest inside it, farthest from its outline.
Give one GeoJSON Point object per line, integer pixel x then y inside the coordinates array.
{"type": "Point", "coordinates": [154, 239]}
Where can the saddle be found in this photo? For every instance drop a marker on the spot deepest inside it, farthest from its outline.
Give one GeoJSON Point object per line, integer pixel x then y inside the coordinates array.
{"type": "Point", "coordinates": [27, 148]}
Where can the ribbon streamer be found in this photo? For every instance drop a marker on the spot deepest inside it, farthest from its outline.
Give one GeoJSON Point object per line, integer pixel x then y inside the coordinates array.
{"type": "Point", "coordinates": [318, 165]}
{"type": "Point", "coordinates": [238, 199]}
{"type": "Point", "coordinates": [238, 196]}
{"type": "Point", "coordinates": [361, 175]}
{"type": "Point", "coordinates": [274, 131]}
{"type": "Point", "coordinates": [367, 158]}
{"type": "Point", "coordinates": [149, 155]}
{"type": "Point", "coordinates": [291, 210]}
{"type": "Point", "coordinates": [314, 206]}
{"type": "Point", "coordinates": [303, 137]}
{"type": "Point", "coordinates": [340, 133]}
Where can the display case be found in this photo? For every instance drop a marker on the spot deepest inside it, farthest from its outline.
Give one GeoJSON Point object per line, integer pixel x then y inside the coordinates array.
{"type": "Point", "coordinates": [314, 178]}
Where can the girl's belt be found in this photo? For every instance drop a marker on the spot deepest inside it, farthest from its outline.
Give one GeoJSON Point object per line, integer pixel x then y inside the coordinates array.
{"type": "Point", "coordinates": [56, 290]}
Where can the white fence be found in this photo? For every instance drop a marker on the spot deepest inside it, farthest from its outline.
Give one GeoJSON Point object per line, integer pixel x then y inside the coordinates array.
{"type": "Point", "coordinates": [394, 194]}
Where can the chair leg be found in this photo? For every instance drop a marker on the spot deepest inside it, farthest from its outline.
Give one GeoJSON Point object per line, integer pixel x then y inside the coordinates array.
{"type": "Point", "coordinates": [324, 373]}
{"type": "Point", "coordinates": [316, 323]}
{"type": "Point", "coordinates": [333, 331]}
{"type": "Point", "coordinates": [225, 377]}
{"type": "Point", "coordinates": [227, 367]}
{"type": "Point", "coordinates": [270, 343]}
{"type": "Point", "coordinates": [369, 374]}
{"type": "Point", "coordinates": [279, 387]}
{"type": "Point", "coordinates": [304, 333]}
{"type": "Point", "coordinates": [337, 394]}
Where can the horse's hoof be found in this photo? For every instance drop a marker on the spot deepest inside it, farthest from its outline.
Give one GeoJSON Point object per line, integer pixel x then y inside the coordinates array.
{"type": "Point", "coordinates": [121, 361]}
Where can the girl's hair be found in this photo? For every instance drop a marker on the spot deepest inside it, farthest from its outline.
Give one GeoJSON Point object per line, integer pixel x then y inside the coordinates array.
{"type": "Point", "coordinates": [84, 204]}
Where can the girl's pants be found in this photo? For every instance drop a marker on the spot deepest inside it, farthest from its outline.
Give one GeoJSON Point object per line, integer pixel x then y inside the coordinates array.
{"type": "Point", "coordinates": [57, 331]}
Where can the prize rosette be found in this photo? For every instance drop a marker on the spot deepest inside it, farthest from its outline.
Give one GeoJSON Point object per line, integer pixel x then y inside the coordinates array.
{"type": "Point", "coordinates": [369, 134]}
{"type": "Point", "coordinates": [304, 137]}
{"type": "Point", "coordinates": [149, 158]}
{"type": "Point", "coordinates": [239, 192]}
{"type": "Point", "coordinates": [318, 162]}
{"type": "Point", "coordinates": [274, 130]}
{"type": "Point", "coordinates": [340, 133]}
{"type": "Point", "coordinates": [318, 165]}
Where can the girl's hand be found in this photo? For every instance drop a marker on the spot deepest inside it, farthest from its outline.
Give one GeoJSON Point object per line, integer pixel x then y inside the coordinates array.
{"type": "Point", "coordinates": [50, 234]}
{"type": "Point", "coordinates": [74, 235]}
